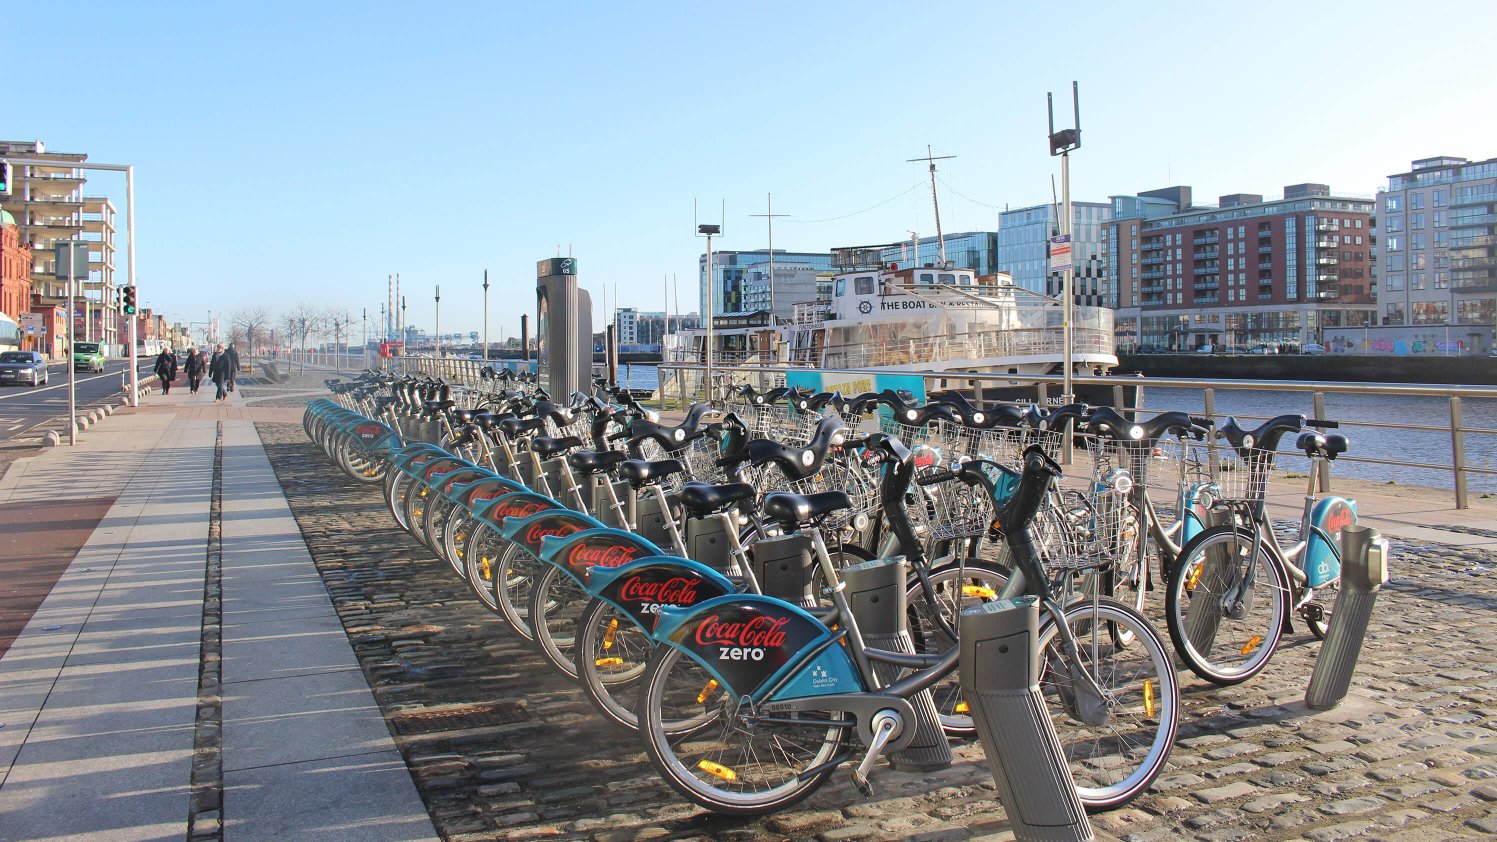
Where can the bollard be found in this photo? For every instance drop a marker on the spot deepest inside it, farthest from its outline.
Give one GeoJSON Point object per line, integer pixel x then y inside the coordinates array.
{"type": "Point", "coordinates": [1364, 570]}
{"type": "Point", "coordinates": [1000, 674]}
{"type": "Point", "coordinates": [876, 593]}
{"type": "Point", "coordinates": [783, 567]}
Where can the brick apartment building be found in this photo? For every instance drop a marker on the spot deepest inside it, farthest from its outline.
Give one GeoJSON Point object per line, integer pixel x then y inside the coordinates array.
{"type": "Point", "coordinates": [1242, 273]}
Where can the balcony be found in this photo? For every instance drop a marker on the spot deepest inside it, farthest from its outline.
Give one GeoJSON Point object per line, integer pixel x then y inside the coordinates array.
{"type": "Point", "coordinates": [1474, 263]}
{"type": "Point", "coordinates": [1151, 289]}
{"type": "Point", "coordinates": [1328, 295]}
{"type": "Point", "coordinates": [1476, 241]}
{"type": "Point", "coordinates": [1327, 243]}
{"type": "Point", "coordinates": [1473, 220]}
{"type": "Point", "coordinates": [1323, 226]}
{"type": "Point", "coordinates": [1207, 254]}
{"type": "Point", "coordinates": [1265, 233]}
{"type": "Point", "coordinates": [1267, 264]}
{"type": "Point", "coordinates": [1151, 275]}
{"type": "Point", "coordinates": [1327, 260]}
{"type": "Point", "coordinates": [1207, 240]}
{"type": "Point", "coordinates": [1154, 260]}
{"type": "Point", "coordinates": [1154, 244]}
{"type": "Point", "coordinates": [1474, 199]}
{"type": "Point", "coordinates": [1205, 288]}
{"type": "Point", "coordinates": [1265, 249]}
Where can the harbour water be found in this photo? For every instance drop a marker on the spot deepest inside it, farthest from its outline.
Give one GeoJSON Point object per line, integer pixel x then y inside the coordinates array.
{"type": "Point", "coordinates": [1354, 412]}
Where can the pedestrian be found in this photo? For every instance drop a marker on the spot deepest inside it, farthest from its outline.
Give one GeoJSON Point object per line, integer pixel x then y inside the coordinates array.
{"type": "Point", "coordinates": [233, 364]}
{"type": "Point", "coordinates": [166, 369]}
{"type": "Point", "coordinates": [218, 371]}
{"type": "Point", "coordinates": [195, 366]}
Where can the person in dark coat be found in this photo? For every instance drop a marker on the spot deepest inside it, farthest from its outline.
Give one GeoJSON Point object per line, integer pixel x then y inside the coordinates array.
{"type": "Point", "coordinates": [218, 372]}
{"type": "Point", "coordinates": [166, 369]}
{"type": "Point", "coordinates": [195, 366]}
{"type": "Point", "coordinates": [233, 364]}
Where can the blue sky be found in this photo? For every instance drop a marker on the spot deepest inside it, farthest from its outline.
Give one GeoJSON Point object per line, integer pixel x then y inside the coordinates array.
{"type": "Point", "coordinates": [301, 152]}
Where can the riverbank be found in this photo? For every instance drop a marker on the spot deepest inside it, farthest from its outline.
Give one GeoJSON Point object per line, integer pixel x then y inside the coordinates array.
{"type": "Point", "coordinates": [1340, 368]}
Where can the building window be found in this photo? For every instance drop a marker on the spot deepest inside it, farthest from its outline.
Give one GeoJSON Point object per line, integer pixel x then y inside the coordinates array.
{"type": "Point", "coordinates": [1393, 204]}
{"type": "Point", "coordinates": [1393, 283]}
{"type": "Point", "coordinates": [1393, 224]}
{"type": "Point", "coordinates": [1394, 315]}
{"type": "Point", "coordinates": [1416, 201]}
{"type": "Point", "coordinates": [1416, 281]}
{"type": "Point", "coordinates": [1359, 223]}
{"type": "Point", "coordinates": [1437, 198]}
{"type": "Point", "coordinates": [1442, 280]}
{"type": "Point", "coordinates": [1394, 244]}
{"type": "Point", "coordinates": [1429, 312]}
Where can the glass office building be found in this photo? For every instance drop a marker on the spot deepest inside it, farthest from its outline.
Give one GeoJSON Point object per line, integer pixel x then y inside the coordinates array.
{"type": "Point", "coordinates": [735, 284]}
{"type": "Point", "coordinates": [1023, 250]}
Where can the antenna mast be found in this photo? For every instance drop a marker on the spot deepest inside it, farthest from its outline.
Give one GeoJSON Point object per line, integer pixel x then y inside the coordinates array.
{"type": "Point", "coordinates": [931, 159]}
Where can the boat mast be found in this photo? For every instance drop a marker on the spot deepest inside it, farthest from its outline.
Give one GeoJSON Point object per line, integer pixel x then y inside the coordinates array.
{"type": "Point", "coordinates": [931, 159]}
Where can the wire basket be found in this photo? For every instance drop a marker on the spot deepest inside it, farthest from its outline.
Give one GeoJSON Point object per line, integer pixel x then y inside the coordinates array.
{"type": "Point", "coordinates": [951, 509]}
{"type": "Point", "coordinates": [1101, 530]}
{"type": "Point", "coordinates": [700, 458]}
{"type": "Point", "coordinates": [1240, 479]}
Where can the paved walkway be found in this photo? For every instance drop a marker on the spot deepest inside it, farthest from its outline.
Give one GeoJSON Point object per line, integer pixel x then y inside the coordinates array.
{"type": "Point", "coordinates": [136, 705]}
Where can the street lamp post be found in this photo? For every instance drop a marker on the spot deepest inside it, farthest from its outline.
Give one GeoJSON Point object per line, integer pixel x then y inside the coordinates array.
{"type": "Point", "coordinates": [486, 316]}
{"type": "Point", "coordinates": [1062, 143]}
{"type": "Point", "coordinates": [438, 338]}
{"type": "Point", "coordinates": [709, 231]}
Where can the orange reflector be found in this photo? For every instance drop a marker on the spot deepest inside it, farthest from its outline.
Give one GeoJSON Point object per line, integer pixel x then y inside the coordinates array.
{"type": "Point", "coordinates": [608, 662]}
{"type": "Point", "coordinates": [608, 636]}
{"type": "Point", "coordinates": [707, 691]}
{"type": "Point", "coordinates": [717, 770]}
{"type": "Point", "coordinates": [1252, 644]}
{"type": "Point", "coordinates": [978, 591]}
{"type": "Point", "coordinates": [488, 572]}
{"type": "Point", "coordinates": [963, 707]}
{"type": "Point", "coordinates": [1195, 576]}
{"type": "Point", "coordinates": [1149, 697]}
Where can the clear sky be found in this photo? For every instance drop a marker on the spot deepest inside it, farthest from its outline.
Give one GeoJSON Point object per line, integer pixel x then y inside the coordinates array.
{"type": "Point", "coordinates": [291, 152]}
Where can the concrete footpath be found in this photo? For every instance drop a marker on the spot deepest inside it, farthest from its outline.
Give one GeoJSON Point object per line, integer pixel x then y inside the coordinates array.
{"type": "Point", "coordinates": [187, 676]}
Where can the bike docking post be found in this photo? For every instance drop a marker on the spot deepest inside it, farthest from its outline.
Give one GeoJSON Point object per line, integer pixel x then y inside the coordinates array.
{"type": "Point", "coordinates": [1364, 570]}
{"type": "Point", "coordinates": [876, 593]}
{"type": "Point", "coordinates": [1000, 675]}
{"type": "Point", "coordinates": [783, 567]}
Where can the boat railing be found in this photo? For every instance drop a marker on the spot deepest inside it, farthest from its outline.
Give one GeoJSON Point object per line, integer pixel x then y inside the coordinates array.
{"type": "Point", "coordinates": [1047, 390]}
{"type": "Point", "coordinates": [976, 345]}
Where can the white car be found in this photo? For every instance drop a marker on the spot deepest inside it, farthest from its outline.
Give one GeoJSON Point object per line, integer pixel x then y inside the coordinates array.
{"type": "Point", "coordinates": [1312, 348]}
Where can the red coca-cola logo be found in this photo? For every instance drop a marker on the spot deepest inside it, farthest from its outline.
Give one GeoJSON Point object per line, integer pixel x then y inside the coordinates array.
{"type": "Point", "coordinates": [678, 590]}
{"type": "Point", "coordinates": [591, 555]}
{"type": "Point", "coordinates": [490, 494]}
{"type": "Point", "coordinates": [369, 431]}
{"type": "Point", "coordinates": [761, 632]}
{"type": "Point", "coordinates": [518, 509]}
{"type": "Point", "coordinates": [537, 531]}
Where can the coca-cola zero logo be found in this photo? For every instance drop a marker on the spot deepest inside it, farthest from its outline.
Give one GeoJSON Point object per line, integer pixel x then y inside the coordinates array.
{"type": "Point", "coordinates": [677, 590]}
{"type": "Point", "coordinates": [589, 554]}
{"type": "Point", "coordinates": [757, 632]}
{"type": "Point", "coordinates": [538, 531]}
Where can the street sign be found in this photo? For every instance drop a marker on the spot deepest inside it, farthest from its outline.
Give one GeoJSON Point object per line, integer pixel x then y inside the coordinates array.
{"type": "Point", "coordinates": [71, 260]}
{"type": "Point", "coordinates": [1060, 253]}
{"type": "Point", "coordinates": [31, 319]}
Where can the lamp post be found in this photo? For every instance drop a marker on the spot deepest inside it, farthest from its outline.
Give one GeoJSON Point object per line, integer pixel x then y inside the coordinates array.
{"type": "Point", "coordinates": [485, 316]}
{"type": "Point", "coordinates": [438, 337]}
{"type": "Point", "coordinates": [709, 231]}
{"type": "Point", "coordinates": [1062, 143]}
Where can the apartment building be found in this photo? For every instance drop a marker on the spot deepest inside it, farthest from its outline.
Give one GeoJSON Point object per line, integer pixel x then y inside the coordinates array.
{"type": "Point", "coordinates": [1438, 251]}
{"type": "Point", "coordinates": [50, 205]}
{"type": "Point", "coordinates": [1243, 272]}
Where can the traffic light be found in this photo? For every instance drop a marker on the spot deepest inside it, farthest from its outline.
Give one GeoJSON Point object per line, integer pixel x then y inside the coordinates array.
{"type": "Point", "coordinates": [129, 300]}
{"type": "Point", "coordinates": [4, 178]}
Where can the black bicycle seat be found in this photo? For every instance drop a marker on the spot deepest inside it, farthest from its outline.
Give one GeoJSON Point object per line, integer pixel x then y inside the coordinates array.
{"type": "Point", "coordinates": [514, 427]}
{"type": "Point", "coordinates": [640, 473]}
{"type": "Point", "coordinates": [589, 462]}
{"type": "Point", "coordinates": [793, 510]}
{"type": "Point", "coordinates": [487, 420]}
{"type": "Point", "coordinates": [546, 446]}
{"type": "Point", "coordinates": [700, 498]}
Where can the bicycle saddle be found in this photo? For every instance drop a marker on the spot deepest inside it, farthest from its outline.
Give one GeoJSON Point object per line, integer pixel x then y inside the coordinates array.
{"type": "Point", "coordinates": [546, 446]}
{"type": "Point", "coordinates": [640, 473]}
{"type": "Point", "coordinates": [1320, 444]}
{"type": "Point", "coordinates": [700, 498]}
{"type": "Point", "coordinates": [464, 416]}
{"type": "Point", "coordinates": [589, 462]}
{"type": "Point", "coordinates": [487, 420]}
{"type": "Point", "coordinates": [793, 510]}
{"type": "Point", "coordinates": [1265, 437]}
{"type": "Point", "coordinates": [516, 427]}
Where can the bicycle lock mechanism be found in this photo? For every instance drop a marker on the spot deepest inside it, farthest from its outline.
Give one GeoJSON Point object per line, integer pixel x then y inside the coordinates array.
{"type": "Point", "coordinates": [876, 594]}
{"type": "Point", "coordinates": [1364, 570]}
{"type": "Point", "coordinates": [1000, 675]}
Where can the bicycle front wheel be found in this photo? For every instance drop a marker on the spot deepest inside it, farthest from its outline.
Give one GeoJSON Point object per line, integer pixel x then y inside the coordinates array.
{"type": "Point", "coordinates": [1226, 605]}
{"type": "Point", "coordinates": [721, 754]}
{"type": "Point", "coordinates": [1115, 744]}
{"type": "Point", "coordinates": [954, 588]}
{"type": "Point", "coordinates": [611, 654]}
{"type": "Point", "coordinates": [556, 603]}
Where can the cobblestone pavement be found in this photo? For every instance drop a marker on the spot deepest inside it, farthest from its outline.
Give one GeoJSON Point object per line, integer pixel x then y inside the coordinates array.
{"type": "Point", "coordinates": [503, 748]}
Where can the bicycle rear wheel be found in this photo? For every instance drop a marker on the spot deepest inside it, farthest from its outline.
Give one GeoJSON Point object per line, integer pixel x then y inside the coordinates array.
{"type": "Point", "coordinates": [723, 756]}
{"type": "Point", "coordinates": [1225, 610]}
{"type": "Point", "coordinates": [556, 603]}
{"type": "Point", "coordinates": [1117, 745]}
{"type": "Point", "coordinates": [611, 655]}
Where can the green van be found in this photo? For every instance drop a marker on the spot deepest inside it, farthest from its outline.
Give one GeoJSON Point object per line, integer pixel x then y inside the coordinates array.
{"type": "Point", "coordinates": [88, 356]}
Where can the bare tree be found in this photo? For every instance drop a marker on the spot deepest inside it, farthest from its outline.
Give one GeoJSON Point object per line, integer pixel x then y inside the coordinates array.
{"type": "Point", "coordinates": [254, 323]}
{"type": "Point", "coordinates": [300, 324]}
{"type": "Point", "coordinates": [336, 321]}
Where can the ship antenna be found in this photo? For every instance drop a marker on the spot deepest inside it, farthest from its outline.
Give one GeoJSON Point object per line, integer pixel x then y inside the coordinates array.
{"type": "Point", "coordinates": [931, 159]}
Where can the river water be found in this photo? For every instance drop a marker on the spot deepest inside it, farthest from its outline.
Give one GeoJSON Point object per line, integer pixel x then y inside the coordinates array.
{"type": "Point", "coordinates": [1420, 447]}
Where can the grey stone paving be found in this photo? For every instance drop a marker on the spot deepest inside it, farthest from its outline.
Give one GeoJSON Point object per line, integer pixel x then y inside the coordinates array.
{"type": "Point", "coordinates": [1412, 754]}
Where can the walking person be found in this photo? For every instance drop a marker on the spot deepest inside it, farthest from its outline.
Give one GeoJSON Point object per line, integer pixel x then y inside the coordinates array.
{"type": "Point", "coordinates": [218, 372]}
{"type": "Point", "coordinates": [233, 364]}
{"type": "Point", "coordinates": [166, 369]}
{"type": "Point", "coordinates": [195, 366]}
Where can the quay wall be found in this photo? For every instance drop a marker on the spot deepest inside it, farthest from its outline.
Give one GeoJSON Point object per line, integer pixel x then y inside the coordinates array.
{"type": "Point", "coordinates": [1467, 371]}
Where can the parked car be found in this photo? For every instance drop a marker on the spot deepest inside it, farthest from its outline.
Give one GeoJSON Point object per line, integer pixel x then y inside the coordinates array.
{"type": "Point", "coordinates": [1206, 349]}
{"type": "Point", "coordinates": [88, 355]}
{"type": "Point", "coordinates": [1312, 348]}
{"type": "Point", "coordinates": [18, 367]}
{"type": "Point", "coordinates": [1263, 349]}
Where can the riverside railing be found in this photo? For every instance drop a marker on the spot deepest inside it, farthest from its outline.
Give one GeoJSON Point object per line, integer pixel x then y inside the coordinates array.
{"type": "Point", "coordinates": [690, 388]}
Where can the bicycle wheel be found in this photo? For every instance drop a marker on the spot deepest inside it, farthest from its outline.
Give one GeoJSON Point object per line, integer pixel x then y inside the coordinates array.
{"type": "Point", "coordinates": [417, 498]}
{"type": "Point", "coordinates": [556, 603]}
{"type": "Point", "coordinates": [433, 525]}
{"type": "Point", "coordinates": [1225, 610]}
{"type": "Point", "coordinates": [1317, 612]}
{"type": "Point", "coordinates": [454, 538]}
{"type": "Point", "coordinates": [611, 654]}
{"type": "Point", "coordinates": [954, 589]}
{"type": "Point", "coordinates": [1118, 745]}
{"type": "Point", "coordinates": [399, 489]}
{"type": "Point", "coordinates": [719, 753]}
{"type": "Point", "coordinates": [514, 576]}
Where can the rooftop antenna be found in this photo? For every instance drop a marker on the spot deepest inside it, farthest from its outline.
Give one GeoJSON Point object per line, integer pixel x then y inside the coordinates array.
{"type": "Point", "coordinates": [934, 200]}
{"type": "Point", "coordinates": [769, 216]}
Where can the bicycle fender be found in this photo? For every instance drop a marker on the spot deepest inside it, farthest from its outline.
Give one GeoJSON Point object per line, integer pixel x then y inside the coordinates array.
{"type": "Point", "coordinates": [760, 646]}
{"type": "Point", "coordinates": [528, 532]}
{"type": "Point", "coordinates": [643, 587]}
{"type": "Point", "coordinates": [372, 435]}
{"type": "Point", "coordinates": [1322, 561]}
{"type": "Point", "coordinates": [474, 494]}
{"type": "Point", "coordinates": [432, 473]}
{"type": "Point", "coordinates": [515, 504]}
{"type": "Point", "coordinates": [411, 457]}
{"type": "Point", "coordinates": [579, 553]}
{"type": "Point", "coordinates": [453, 485]}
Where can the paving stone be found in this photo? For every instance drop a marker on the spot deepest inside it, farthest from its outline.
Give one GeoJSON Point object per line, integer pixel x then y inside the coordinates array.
{"type": "Point", "coordinates": [1273, 802]}
{"type": "Point", "coordinates": [1217, 794]}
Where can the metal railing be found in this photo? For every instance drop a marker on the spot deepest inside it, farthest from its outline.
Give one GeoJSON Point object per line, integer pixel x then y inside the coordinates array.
{"type": "Point", "coordinates": [690, 388]}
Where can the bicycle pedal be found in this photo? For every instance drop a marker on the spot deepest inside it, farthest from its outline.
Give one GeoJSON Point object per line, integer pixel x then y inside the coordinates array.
{"type": "Point", "coordinates": [860, 781]}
